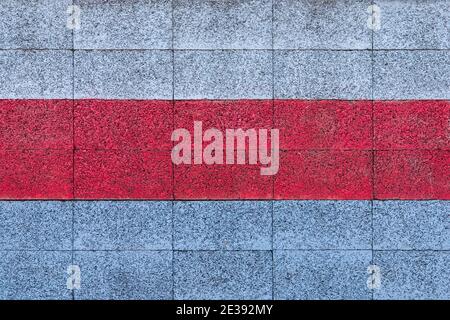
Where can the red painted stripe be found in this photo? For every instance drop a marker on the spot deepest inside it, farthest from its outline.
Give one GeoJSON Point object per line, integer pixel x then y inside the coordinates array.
{"type": "Point", "coordinates": [222, 115]}
{"type": "Point", "coordinates": [122, 150]}
{"type": "Point", "coordinates": [328, 124]}
{"type": "Point", "coordinates": [123, 125]}
{"type": "Point", "coordinates": [35, 124]}
{"type": "Point", "coordinates": [221, 182]}
{"type": "Point", "coordinates": [412, 174]}
{"type": "Point", "coordinates": [113, 174]}
{"type": "Point", "coordinates": [36, 174]}
{"type": "Point", "coordinates": [412, 124]}
{"type": "Point", "coordinates": [324, 174]}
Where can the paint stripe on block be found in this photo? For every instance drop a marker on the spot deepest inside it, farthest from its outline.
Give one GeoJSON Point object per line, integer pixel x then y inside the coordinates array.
{"type": "Point", "coordinates": [122, 149]}
{"type": "Point", "coordinates": [412, 174]}
{"type": "Point", "coordinates": [35, 124]}
{"type": "Point", "coordinates": [36, 174]}
{"type": "Point", "coordinates": [123, 124]}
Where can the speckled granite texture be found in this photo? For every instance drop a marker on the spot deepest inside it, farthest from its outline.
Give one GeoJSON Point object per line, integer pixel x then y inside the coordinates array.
{"type": "Point", "coordinates": [230, 49]}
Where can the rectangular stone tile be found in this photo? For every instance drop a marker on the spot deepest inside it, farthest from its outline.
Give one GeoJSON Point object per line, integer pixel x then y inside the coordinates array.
{"type": "Point", "coordinates": [411, 75]}
{"type": "Point", "coordinates": [35, 225]}
{"type": "Point", "coordinates": [242, 24]}
{"type": "Point", "coordinates": [222, 275]}
{"type": "Point", "coordinates": [123, 124]}
{"type": "Point", "coordinates": [223, 74]}
{"type": "Point", "coordinates": [36, 174]}
{"type": "Point", "coordinates": [224, 114]}
{"type": "Point", "coordinates": [34, 275]}
{"type": "Point", "coordinates": [324, 174]}
{"type": "Point", "coordinates": [118, 174]}
{"type": "Point", "coordinates": [323, 124]}
{"type": "Point", "coordinates": [322, 224]}
{"type": "Point", "coordinates": [122, 225]}
{"type": "Point", "coordinates": [124, 275]}
{"type": "Point", "coordinates": [35, 24]}
{"type": "Point", "coordinates": [411, 225]}
{"type": "Point", "coordinates": [413, 24]}
{"type": "Point", "coordinates": [321, 275]}
{"type": "Point", "coordinates": [123, 74]}
{"type": "Point", "coordinates": [221, 181]}
{"type": "Point", "coordinates": [412, 174]}
{"type": "Point", "coordinates": [34, 74]}
{"type": "Point", "coordinates": [36, 124]}
{"type": "Point", "coordinates": [136, 24]}
{"type": "Point", "coordinates": [408, 275]}
{"type": "Point", "coordinates": [312, 24]}
{"type": "Point", "coordinates": [226, 225]}
{"type": "Point", "coordinates": [412, 124]}
{"type": "Point", "coordinates": [322, 74]}
{"type": "Point", "coordinates": [250, 115]}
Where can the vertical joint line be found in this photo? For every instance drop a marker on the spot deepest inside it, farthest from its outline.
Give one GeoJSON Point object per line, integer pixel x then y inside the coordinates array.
{"type": "Point", "coordinates": [73, 153]}
{"type": "Point", "coordinates": [373, 141]}
{"type": "Point", "coordinates": [173, 143]}
{"type": "Point", "coordinates": [273, 124]}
